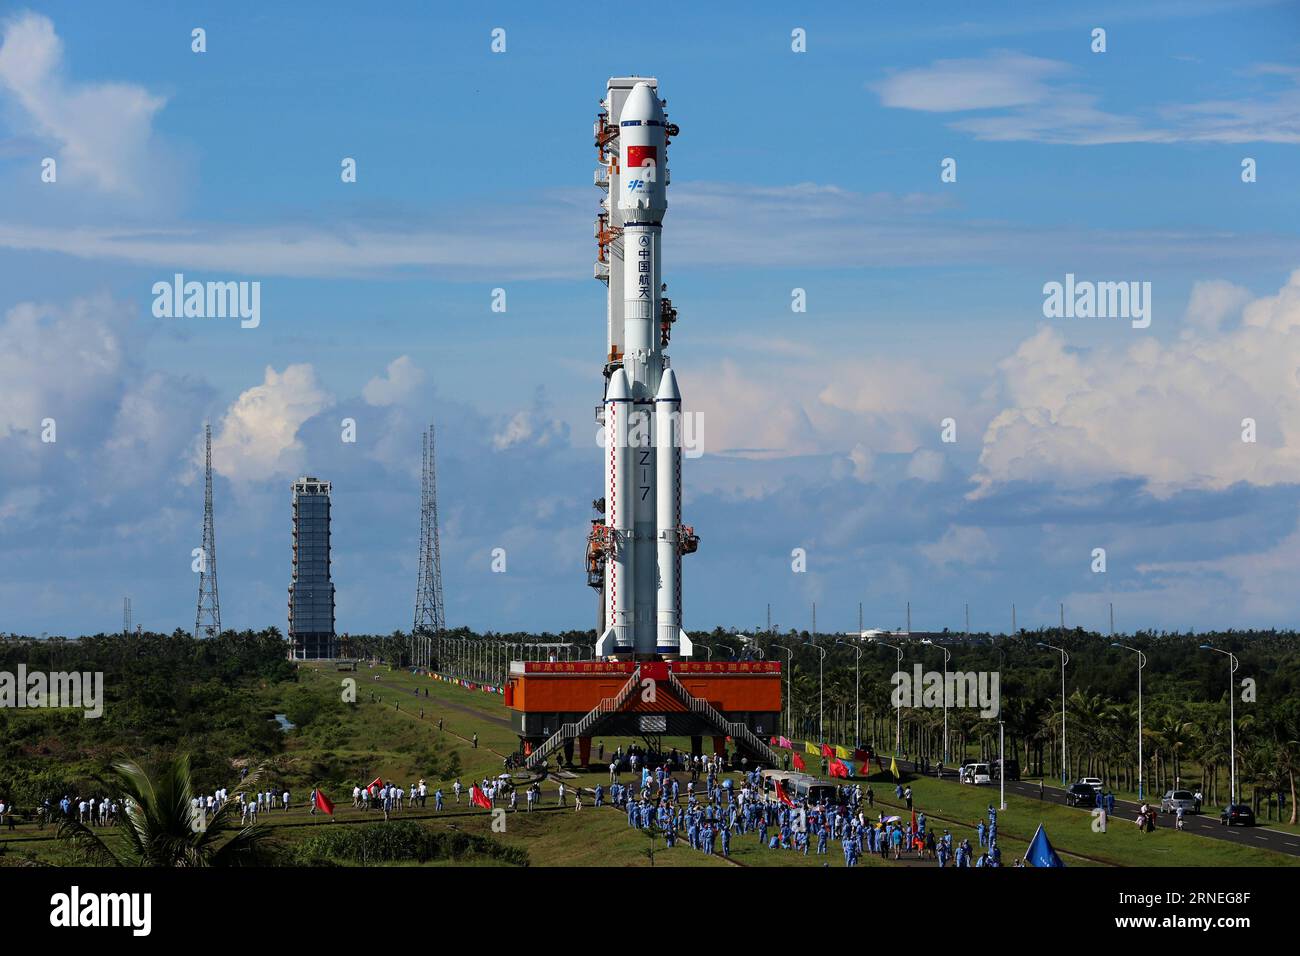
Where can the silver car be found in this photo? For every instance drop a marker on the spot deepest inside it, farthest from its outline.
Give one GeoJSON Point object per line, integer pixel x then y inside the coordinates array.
{"type": "Point", "coordinates": [1174, 800]}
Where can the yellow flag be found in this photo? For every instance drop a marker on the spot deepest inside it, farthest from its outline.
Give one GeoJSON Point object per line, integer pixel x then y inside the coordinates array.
{"type": "Point", "coordinates": [812, 748]}
{"type": "Point", "coordinates": [893, 768]}
{"type": "Point", "coordinates": [842, 752]}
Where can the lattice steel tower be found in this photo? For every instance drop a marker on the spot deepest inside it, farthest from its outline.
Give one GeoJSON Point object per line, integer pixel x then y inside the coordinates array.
{"type": "Point", "coordinates": [429, 616]}
{"type": "Point", "coordinates": [207, 622]}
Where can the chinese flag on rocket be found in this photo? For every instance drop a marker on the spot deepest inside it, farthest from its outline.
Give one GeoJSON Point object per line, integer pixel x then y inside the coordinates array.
{"type": "Point", "coordinates": [479, 798]}
{"type": "Point", "coordinates": [638, 156]}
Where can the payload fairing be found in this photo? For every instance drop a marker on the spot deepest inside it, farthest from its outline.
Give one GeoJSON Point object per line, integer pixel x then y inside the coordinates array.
{"type": "Point", "coordinates": [634, 551]}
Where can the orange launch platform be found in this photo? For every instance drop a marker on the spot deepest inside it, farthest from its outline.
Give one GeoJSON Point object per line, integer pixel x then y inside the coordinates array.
{"type": "Point", "coordinates": [558, 704]}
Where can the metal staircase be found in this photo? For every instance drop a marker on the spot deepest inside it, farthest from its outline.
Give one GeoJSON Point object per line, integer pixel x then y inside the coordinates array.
{"type": "Point", "coordinates": [737, 731]}
{"type": "Point", "coordinates": [573, 731]}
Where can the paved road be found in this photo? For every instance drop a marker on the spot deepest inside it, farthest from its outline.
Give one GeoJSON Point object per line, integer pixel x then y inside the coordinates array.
{"type": "Point", "coordinates": [1204, 824]}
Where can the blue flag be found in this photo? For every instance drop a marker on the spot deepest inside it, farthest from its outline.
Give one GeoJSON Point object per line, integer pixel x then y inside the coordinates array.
{"type": "Point", "coordinates": [1040, 852]}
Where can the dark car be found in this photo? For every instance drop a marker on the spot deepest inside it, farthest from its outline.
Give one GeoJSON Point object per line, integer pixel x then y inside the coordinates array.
{"type": "Point", "coordinates": [1081, 795]}
{"type": "Point", "coordinates": [1237, 813]}
{"type": "Point", "coordinates": [1013, 769]}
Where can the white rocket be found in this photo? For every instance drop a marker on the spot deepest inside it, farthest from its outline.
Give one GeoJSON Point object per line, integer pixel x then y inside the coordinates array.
{"type": "Point", "coordinates": [640, 542]}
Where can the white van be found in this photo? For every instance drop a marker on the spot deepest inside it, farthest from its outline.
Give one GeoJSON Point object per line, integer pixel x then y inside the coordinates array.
{"type": "Point", "coordinates": [976, 773]}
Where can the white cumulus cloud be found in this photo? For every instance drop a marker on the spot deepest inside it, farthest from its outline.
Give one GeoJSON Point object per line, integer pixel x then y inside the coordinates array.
{"type": "Point", "coordinates": [102, 130]}
{"type": "Point", "coordinates": [257, 438]}
{"type": "Point", "coordinates": [1168, 413]}
{"type": "Point", "coordinates": [398, 383]}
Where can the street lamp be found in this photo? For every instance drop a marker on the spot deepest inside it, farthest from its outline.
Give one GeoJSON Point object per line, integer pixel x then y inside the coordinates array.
{"type": "Point", "coordinates": [1002, 764]}
{"type": "Point", "coordinates": [708, 650]}
{"type": "Point", "coordinates": [1065, 659]}
{"type": "Point", "coordinates": [821, 733]}
{"type": "Point", "coordinates": [729, 650]}
{"type": "Point", "coordinates": [857, 696]}
{"type": "Point", "coordinates": [898, 719]}
{"type": "Point", "coordinates": [1142, 662]}
{"type": "Point", "coordinates": [947, 656]}
{"type": "Point", "coordinates": [1233, 664]}
{"type": "Point", "coordinates": [789, 687]}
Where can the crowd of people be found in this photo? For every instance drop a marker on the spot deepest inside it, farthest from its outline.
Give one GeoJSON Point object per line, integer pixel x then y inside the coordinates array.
{"type": "Point", "coordinates": [709, 812]}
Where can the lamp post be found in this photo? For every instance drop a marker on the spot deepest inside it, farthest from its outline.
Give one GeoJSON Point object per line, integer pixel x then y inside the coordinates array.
{"type": "Point", "coordinates": [821, 733]}
{"type": "Point", "coordinates": [857, 695]}
{"type": "Point", "coordinates": [1002, 764]}
{"type": "Point", "coordinates": [729, 650]}
{"type": "Point", "coordinates": [1233, 664]}
{"type": "Point", "coordinates": [709, 651]}
{"type": "Point", "coordinates": [789, 686]}
{"type": "Point", "coordinates": [1065, 659]}
{"type": "Point", "coordinates": [1142, 662]}
{"type": "Point", "coordinates": [898, 719]}
{"type": "Point", "coordinates": [947, 656]}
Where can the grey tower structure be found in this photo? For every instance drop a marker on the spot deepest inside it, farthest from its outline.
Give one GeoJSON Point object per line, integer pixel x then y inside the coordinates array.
{"type": "Point", "coordinates": [311, 595]}
{"type": "Point", "coordinates": [207, 622]}
{"type": "Point", "coordinates": [429, 616]}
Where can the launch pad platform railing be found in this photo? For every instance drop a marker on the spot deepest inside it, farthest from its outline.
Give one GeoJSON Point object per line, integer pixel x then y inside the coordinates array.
{"type": "Point", "coordinates": [737, 730]}
{"type": "Point", "coordinates": [573, 731]}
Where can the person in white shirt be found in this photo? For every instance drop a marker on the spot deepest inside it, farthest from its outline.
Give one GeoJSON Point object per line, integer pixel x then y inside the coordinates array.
{"type": "Point", "coordinates": [286, 801]}
{"type": "Point", "coordinates": [456, 788]}
{"type": "Point", "coordinates": [356, 796]}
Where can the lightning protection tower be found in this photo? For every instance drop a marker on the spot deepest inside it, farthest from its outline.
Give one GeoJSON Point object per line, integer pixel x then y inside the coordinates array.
{"type": "Point", "coordinates": [207, 622]}
{"type": "Point", "coordinates": [429, 615]}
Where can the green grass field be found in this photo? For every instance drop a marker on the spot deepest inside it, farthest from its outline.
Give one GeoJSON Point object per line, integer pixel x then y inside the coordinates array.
{"type": "Point", "coordinates": [343, 744]}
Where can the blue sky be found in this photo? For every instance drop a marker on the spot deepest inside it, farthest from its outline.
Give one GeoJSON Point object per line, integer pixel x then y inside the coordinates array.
{"type": "Point", "coordinates": [817, 170]}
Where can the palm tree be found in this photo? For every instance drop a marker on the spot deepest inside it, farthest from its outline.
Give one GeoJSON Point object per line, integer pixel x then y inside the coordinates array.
{"type": "Point", "coordinates": [158, 827]}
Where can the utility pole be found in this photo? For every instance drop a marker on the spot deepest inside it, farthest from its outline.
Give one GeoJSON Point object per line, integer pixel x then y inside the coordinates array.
{"type": "Point", "coordinates": [126, 617]}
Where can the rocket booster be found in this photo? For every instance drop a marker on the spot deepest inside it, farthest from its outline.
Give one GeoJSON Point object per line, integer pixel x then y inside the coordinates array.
{"type": "Point", "coordinates": [642, 536]}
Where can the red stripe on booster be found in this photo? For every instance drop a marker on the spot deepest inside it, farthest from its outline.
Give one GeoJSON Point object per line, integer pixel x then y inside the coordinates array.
{"type": "Point", "coordinates": [638, 156]}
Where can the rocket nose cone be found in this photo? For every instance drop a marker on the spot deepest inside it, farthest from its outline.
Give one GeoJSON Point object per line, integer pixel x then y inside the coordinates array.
{"type": "Point", "coordinates": [642, 104]}
{"type": "Point", "coordinates": [668, 391]}
{"type": "Point", "coordinates": [618, 390]}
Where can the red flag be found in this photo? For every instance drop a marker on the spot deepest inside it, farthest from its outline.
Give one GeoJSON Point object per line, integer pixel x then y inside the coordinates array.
{"type": "Point", "coordinates": [323, 803]}
{"type": "Point", "coordinates": [827, 751]}
{"type": "Point", "coordinates": [863, 755]}
{"type": "Point", "coordinates": [479, 798]}
{"type": "Point", "coordinates": [798, 763]}
{"type": "Point", "coordinates": [771, 741]}
{"type": "Point", "coordinates": [375, 784]}
{"type": "Point", "coordinates": [638, 156]}
{"type": "Point", "coordinates": [838, 769]}
{"type": "Point", "coordinates": [782, 795]}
